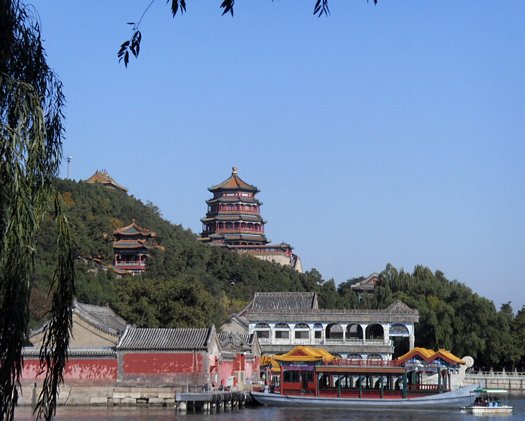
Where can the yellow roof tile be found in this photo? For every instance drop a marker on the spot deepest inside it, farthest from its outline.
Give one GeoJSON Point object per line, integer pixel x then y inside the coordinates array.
{"type": "Point", "coordinates": [307, 354]}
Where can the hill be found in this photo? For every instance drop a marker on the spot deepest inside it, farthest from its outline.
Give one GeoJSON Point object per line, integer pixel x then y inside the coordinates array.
{"type": "Point", "coordinates": [187, 283]}
{"type": "Point", "coordinates": [193, 284]}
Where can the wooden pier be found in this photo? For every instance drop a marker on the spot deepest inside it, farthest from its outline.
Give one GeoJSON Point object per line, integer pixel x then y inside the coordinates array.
{"type": "Point", "coordinates": [210, 401]}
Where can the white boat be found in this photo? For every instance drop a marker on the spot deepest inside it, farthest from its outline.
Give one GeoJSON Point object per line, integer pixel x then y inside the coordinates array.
{"type": "Point", "coordinates": [310, 377]}
{"type": "Point", "coordinates": [490, 402]}
{"type": "Point", "coordinates": [453, 399]}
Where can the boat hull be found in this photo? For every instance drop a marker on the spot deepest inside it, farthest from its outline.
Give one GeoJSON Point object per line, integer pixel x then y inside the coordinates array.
{"type": "Point", "coordinates": [454, 399]}
{"type": "Point", "coordinates": [488, 410]}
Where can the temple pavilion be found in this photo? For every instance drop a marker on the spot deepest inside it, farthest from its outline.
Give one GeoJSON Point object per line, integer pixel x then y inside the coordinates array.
{"type": "Point", "coordinates": [234, 221]}
{"type": "Point", "coordinates": [103, 177]}
{"type": "Point", "coordinates": [131, 247]}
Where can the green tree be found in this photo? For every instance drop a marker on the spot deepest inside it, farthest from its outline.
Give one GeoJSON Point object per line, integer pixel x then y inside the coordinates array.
{"type": "Point", "coordinates": [31, 103]}
{"type": "Point", "coordinates": [452, 316]}
{"type": "Point", "coordinates": [518, 330]}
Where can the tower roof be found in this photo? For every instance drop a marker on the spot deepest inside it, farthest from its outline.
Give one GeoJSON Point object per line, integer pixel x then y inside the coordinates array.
{"type": "Point", "coordinates": [103, 177]}
{"type": "Point", "coordinates": [234, 182]}
{"type": "Point", "coordinates": [134, 229]}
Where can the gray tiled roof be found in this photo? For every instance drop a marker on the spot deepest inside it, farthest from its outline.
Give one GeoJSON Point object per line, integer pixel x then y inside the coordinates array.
{"type": "Point", "coordinates": [141, 339]}
{"type": "Point", "coordinates": [31, 352]}
{"type": "Point", "coordinates": [101, 317]}
{"type": "Point", "coordinates": [282, 301]}
{"type": "Point", "coordinates": [367, 284]}
{"type": "Point", "coordinates": [236, 342]}
{"type": "Point", "coordinates": [396, 312]}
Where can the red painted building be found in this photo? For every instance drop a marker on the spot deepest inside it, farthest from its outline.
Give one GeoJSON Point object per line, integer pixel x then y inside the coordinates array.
{"type": "Point", "coordinates": [131, 248]}
{"type": "Point", "coordinates": [176, 357]}
{"type": "Point", "coordinates": [147, 357]}
{"type": "Point", "coordinates": [239, 361]}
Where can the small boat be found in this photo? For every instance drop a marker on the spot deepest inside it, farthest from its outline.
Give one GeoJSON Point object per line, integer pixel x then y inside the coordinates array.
{"type": "Point", "coordinates": [490, 402]}
{"type": "Point", "coordinates": [305, 379]}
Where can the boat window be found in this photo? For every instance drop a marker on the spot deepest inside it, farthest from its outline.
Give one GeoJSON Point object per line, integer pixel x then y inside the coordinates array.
{"type": "Point", "coordinates": [291, 376]}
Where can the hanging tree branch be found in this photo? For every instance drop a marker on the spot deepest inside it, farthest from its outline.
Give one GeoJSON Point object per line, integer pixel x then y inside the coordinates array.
{"type": "Point", "coordinates": [132, 46]}
{"type": "Point", "coordinates": [31, 132]}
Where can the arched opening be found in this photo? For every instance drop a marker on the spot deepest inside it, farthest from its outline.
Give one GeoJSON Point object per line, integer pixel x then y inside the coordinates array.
{"type": "Point", "coordinates": [374, 357]}
{"type": "Point", "coordinates": [400, 336]}
{"type": "Point", "coordinates": [334, 331]}
{"type": "Point", "coordinates": [375, 331]}
{"type": "Point", "coordinates": [354, 357]}
{"type": "Point", "coordinates": [354, 331]}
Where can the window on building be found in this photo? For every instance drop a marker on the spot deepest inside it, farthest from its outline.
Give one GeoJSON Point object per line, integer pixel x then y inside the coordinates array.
{"type": "Point", "coordinates": [263, 334]}
{"type": "Point", "coordinates": [302, 334]}
{"type": "Point", "coordinates": [282, 334]}
{"type": "Point", "coordinates": [317, 334]}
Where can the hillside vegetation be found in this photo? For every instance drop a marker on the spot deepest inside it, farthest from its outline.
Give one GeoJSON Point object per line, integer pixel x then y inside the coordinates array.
{"type": "Point", "coordinates": [187, 283]}
{"type": "Point", "coordinates": [193, 284]}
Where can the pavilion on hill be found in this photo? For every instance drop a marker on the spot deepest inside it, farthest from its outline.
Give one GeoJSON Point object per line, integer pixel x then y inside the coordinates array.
{"type": "Point", "coordinates": [234, 221]}
{"type": "Point", "coordinates": [131, 247]}
{"type": "Point", "coordinates": [103, 177]}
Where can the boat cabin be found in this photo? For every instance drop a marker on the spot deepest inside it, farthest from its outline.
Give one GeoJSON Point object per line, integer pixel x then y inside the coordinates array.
{"type": "Point", "coordinates": [316, 372]}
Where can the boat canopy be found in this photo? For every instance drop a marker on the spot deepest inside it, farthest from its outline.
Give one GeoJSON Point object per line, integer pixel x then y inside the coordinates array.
{"type": "Point", "coordinates": [305, 354]}
{"type": "Point", "coordinates": [267, 360]}
{"type": "Point", "coordinates": [429, 356]}
{"type": "Point", "coordinates": [490, 391]}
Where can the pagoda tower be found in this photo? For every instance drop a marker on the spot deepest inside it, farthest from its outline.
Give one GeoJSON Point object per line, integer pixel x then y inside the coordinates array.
{"type": "Point", "coordinates": [131, 248]}
{"type": "Point", "coordinates": [234, 221]}
{"type": "Point", "coordinates": [233, 217]}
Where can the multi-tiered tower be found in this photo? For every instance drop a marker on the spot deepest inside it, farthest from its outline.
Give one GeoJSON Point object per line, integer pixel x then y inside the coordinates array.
{"type": "Point", "coordinates": [233, 220]}
{"type": "Point", "coordinates": [132, 247]}
{"type": "Point", "coordinates": [233, 217]}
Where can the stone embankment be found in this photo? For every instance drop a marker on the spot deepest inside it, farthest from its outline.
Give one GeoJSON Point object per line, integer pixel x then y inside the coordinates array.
{"type": "Point", "coordinates": [513, 381]}
{"type": "Point", "coordinates": [187, 400]}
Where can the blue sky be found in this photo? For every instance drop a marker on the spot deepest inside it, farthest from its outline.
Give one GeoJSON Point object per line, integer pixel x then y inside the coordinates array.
{"type": "Point", "coordinates": [382, 134]}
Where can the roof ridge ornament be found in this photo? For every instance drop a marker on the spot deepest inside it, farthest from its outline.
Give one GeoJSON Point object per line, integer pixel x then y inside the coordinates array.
{"type": "Point", "coordinates": [234, 170]}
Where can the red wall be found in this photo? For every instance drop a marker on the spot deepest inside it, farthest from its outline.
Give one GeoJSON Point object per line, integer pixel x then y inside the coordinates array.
{"type": "Point", "coordinates": [99, 370]}
{"type": "Point", "coordinates": [156, 363]}
{"type": "Point", "coordinates": [171, 368]}
{"type": "Point", "coordinates": [225, 371]}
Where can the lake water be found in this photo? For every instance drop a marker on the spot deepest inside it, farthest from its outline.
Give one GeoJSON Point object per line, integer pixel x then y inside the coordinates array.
{"type": "Point", "coordinates": [268, 414]}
